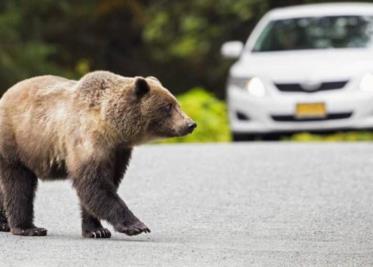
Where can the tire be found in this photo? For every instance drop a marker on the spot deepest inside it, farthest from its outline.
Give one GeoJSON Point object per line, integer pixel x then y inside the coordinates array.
{"type": "Point", "coordinates": [273, 137]}
{"type": "Point", "coordinates": [241, 137]}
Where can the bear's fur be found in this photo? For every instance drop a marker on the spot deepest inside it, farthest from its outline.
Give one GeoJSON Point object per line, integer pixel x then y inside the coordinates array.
{"type": "Point", "coordinates": [54, 128]}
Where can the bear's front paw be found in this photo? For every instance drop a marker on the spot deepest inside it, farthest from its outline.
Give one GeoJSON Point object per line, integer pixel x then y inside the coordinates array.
{"type": "Point", "coordinates": [97, 233]}
{"type": "Point", "coordinates": [132, 228]}
{"type": "Point", "coordinates": [33, 231]}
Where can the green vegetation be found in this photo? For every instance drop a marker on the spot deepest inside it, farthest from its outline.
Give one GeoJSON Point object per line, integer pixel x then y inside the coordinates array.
{"type": "Point", "coordinates": [210, 114]}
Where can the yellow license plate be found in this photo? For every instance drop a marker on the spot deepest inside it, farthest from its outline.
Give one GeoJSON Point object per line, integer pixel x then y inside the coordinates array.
{"type": "Point", "coordinates": [310, 110]}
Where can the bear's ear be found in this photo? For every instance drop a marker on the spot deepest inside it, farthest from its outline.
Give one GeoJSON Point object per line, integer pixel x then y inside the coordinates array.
{"type": "Point", "coordinates": [154, 79]}
{"type": "Point", "coordinates": [141, 87]}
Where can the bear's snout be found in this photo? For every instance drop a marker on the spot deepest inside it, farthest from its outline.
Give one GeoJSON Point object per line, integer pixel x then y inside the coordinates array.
{"type": "Point", "coordinates": [189, 127]}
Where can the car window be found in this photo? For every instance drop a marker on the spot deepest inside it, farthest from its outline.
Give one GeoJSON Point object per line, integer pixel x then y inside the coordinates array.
{"type": "Point", "coordinates": [316, 33]}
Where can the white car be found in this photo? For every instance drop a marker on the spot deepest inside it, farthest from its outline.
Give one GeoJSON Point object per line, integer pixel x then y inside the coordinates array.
{"type": "Point", "coordinates": [303, 68]}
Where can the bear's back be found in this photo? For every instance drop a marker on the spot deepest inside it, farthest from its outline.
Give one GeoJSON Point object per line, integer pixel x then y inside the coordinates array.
{"type": "Point", "coordinates": [32, 113]}
{"type": "Point", "coordinates": [36, 87]}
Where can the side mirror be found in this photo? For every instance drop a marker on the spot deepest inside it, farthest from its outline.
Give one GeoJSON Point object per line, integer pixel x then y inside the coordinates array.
{"type": "Point", "coordinates": [232, 49]}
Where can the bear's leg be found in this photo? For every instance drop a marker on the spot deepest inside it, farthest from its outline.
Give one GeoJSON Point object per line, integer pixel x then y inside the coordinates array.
{"type": "Point", "coordinates": [97, 193]}
{"type": "Point", "coordinates": [122, 159]}
{"type": "Point", "coordinates": [91, 226]}
{"type": "Point", "coordinates": [4, 226]}
{"type": "Point", "coordinates": [19, 185]}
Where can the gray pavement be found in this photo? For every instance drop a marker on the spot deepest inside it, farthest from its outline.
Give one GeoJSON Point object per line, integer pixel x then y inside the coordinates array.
{"type": "Point", "coordinates": [220, 205]}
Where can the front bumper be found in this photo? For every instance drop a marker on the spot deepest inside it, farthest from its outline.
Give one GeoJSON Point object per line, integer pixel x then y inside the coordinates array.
{"type": "Point", "coordinates": [346, 109]}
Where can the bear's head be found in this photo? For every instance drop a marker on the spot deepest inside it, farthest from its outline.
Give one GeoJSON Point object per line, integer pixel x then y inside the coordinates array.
{"type": "Point", "coordinates": [160, 110]}
{"type": "Point", "coordinates": [140, 109]}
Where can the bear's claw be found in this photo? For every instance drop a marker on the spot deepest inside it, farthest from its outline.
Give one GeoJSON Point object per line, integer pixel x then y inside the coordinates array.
{"type": "Point", "coordinates": [131, 229]}
{"type": "Point", "coordinates": [34, 231]}
{"type": "Point", "coordinates": [97, 233]}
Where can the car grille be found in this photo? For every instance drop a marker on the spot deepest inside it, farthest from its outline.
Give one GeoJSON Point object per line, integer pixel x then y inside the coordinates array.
{"type": "Point", "coordinates": [296, 87]}
{"type": "Point", "coordinates": [331, 116]}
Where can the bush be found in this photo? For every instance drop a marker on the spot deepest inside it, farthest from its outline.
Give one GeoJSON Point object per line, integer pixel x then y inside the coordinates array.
{"type": "Point", "coordinates": [210, 115]}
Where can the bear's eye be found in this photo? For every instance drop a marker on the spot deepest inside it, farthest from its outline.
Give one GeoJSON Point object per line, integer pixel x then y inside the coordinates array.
{"type": "Point", "coordinates": [168, 108]}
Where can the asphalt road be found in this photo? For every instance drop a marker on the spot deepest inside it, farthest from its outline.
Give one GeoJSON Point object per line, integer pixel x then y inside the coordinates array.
{"type": "Point", "coordinates": [220, 205]}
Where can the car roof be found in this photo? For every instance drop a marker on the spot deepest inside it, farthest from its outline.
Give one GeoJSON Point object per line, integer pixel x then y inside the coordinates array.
{"type": "Point", "coordinates": [317, 10]}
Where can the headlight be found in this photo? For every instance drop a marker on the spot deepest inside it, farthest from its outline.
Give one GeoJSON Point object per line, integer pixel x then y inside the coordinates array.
{"type": "Point", "coordinates": [256, 87]}
{"type": "Point", "coordinates": [366, 83]}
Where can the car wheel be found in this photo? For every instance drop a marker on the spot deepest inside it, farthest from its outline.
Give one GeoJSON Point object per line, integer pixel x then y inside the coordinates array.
{"type": "Point", "coordinates": [241, 137]}
{"type": "Point", "coordinates": [272, 137]}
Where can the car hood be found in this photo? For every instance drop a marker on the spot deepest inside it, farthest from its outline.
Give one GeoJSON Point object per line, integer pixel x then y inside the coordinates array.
{"type": "Point", "coordinates": [307, 65]}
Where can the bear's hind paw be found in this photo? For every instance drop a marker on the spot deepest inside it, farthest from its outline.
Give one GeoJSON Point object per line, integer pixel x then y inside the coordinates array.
{"type": "Point", "coordinates": [33, 231]}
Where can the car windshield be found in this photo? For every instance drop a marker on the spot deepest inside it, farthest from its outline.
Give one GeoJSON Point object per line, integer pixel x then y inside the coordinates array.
{"type": "Point", "coordinates": [316, 33]}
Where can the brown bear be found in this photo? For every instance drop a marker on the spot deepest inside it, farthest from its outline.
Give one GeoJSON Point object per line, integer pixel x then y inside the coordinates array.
{"type": "Point", "coordinates": [55, 128]}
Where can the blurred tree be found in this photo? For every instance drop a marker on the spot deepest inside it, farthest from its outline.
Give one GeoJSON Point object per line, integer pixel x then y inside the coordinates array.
{"type": "Point", "coordinates": [70, 38]}
{"type": "Point", "coordinates": [22, 50]}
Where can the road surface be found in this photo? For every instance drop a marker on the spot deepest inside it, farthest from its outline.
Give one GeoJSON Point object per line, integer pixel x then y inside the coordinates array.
{"type": "Point", "coordinates": [272, 204]}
